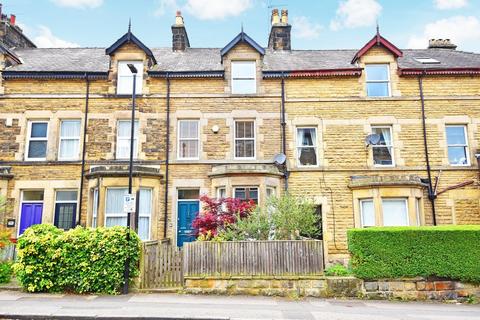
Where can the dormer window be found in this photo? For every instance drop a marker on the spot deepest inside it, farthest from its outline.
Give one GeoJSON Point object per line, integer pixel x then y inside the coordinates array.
{"type": "Point", "coordinates": [244, 77]}
{"type": "Point", "coordinates": [378, 80]}
{"type": "Point", "coordinates": [125, 78]}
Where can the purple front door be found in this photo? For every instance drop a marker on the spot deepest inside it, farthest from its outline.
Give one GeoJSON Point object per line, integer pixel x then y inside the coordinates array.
{"type": "Point", "coordinates": [31, 214]}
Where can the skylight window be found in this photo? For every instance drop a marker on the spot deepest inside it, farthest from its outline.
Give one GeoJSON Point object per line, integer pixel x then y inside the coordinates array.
{"type": "Point", "coordinates": [427, 60]}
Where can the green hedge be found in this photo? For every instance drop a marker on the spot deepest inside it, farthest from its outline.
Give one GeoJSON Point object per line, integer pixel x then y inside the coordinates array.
{"type": "Point", "coordinates": [80, 260]}
{"type": "Point", "coordinates": [451, 252]}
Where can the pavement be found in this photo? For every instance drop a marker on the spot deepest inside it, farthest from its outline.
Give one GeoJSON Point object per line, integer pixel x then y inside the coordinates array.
{"type": "Point", "coordinates": [19, 305]}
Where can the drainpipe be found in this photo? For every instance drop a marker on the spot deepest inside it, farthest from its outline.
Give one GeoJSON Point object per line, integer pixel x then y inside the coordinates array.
{"type": "Point", "coordinates": [284, 137]}
{"type": "Point", "coordinates": [84, 147]}
{"type": "Point", "coordinates": [167, 158]}
{"type": "Point", "coordinates": [431, 194]}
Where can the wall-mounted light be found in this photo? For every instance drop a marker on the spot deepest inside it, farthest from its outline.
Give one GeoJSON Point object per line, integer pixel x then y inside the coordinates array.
{"type": "Point", "coordinates": [215, 129]}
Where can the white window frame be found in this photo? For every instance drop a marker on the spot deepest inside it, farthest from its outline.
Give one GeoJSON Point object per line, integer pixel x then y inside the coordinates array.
{"type": "Point", "coordinates": [466, 146]}
{"type": "Point", "coordinates": [418, 210]}
{"type": "Point", "coordinates": [179, 140]}
{"type": "Point", "coordinates": [232, 78]}
{"type": "Point", "coordinates": [149, 216]}
{"type": "Point", "coordinates": [77, 157]}
{"type": "Point", "coordinates": [388, 81]}
{"type": "Point", "coordinates": [247, 187]}
{"type": "Point", "coordinates": [235, 139]}
{"type": "Point", "coordinates": [135, 140]}
{"type": "Point", "coordinates": [95, 208]}
{"type": "Point", "coordinates": [29, 138]}
{"type": "Point", "coordinates": [391, 146]}
{"type": "Point", "coordinates": [361, 212]}
{"type": "Point", "coordinates": [65, 201]}
{"type": "Point", "coordinates": [112, 215]}
{"type": "Point", "coordinates": [218, 192]}
{"type": "Point", "coordinates": [396, 199]}
{"type": "Point", "coordinates": [139, 80]}
{"type": "Point", "coordinates": [299, 146]}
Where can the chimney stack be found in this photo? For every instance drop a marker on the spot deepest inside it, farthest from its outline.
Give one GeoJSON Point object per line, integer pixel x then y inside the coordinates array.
{"type": "Point", "coordinates": [11, 34]}
{"type": "Point", "coordinates": [441, 44]}
{"type": "Point", "coordinates": [179, 34]}
{"type": "Point", "coordinates": [280, 33]}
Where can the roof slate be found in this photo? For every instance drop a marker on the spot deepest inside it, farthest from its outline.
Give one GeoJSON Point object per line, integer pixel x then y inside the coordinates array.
{"type": "Point", "coordinates": [209, 59]}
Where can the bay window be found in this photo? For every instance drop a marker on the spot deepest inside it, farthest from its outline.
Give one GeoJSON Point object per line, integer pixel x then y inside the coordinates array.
{"type": "Point", "coordinates": [69, 140]}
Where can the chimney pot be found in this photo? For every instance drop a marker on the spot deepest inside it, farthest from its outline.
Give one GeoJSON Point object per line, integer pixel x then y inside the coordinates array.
{"type": "Point", "coordinates": [179, 19]}
{"type": "Point", "coordinates": [275, 17]}
{"type": "Point", "coordinates": [284, 16]}
{"type": "Point", "coordinates": [12, 19]}
{"type": "Point", "coordinates": [179, 34]}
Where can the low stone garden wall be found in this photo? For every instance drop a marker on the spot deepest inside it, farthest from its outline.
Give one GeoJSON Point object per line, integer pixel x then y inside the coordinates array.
{"type": "Point", "coordinates": [319, 286]}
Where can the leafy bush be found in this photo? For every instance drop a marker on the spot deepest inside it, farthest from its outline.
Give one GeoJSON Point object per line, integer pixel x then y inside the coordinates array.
{"type": "Point", "coordinates": [217, 213]}
{"type": "Point", "coordinates": [284, 218]}
{"type": "Point", "coordinates": [79, 260]}
{"type": "Point", "coordinates": [338, 270]}
{"type": "Point", "coordinates": [5, 272]}
{"type": "Point", "coordinates": [451, 252]}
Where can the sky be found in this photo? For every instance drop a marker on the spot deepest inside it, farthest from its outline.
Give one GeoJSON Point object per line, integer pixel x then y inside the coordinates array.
{"type": "Point", "coordinates": [320, 24]}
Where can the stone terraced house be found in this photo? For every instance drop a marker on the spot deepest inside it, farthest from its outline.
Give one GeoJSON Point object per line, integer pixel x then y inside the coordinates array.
{"type": "Point", "coordinates": [375, 135]}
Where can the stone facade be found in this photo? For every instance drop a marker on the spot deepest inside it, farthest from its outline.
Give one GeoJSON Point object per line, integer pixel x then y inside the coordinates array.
{"type": "Point", "coordinates": [336, 106]}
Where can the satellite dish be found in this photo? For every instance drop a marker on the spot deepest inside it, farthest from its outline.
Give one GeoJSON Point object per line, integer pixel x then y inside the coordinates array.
{"type": "Point", "coordinates": [372, 139]}
{"type": "Point", "coordinates": [279, 159]}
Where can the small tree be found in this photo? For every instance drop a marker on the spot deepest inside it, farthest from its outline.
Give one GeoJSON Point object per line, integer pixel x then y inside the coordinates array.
{"type": "Point", "coordinates": [218, 213]}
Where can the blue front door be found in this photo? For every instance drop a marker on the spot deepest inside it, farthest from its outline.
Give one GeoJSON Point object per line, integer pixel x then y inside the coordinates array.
{"type": "Point", "coordinates": [187, 212]}
{"type": "Point", "coordinates": [31, 214]}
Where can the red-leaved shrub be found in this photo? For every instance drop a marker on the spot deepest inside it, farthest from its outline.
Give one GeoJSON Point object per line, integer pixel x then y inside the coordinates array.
{"type": "Point", "coordinates": [217, 213]}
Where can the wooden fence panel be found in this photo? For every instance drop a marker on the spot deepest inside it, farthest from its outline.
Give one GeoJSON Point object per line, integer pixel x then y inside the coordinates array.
{"type": "Point", "coordinates": [8, 253]}
{"type": "Point", "coordinates": [253, 258]}
{"type": "Point", "coordinates": [161, 266]}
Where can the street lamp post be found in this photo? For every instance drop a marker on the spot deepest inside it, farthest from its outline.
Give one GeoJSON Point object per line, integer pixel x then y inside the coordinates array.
{"type": "Point", "coordinates": [126, 272]}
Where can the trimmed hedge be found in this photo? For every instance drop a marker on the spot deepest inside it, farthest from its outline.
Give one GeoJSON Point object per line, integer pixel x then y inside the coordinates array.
{"type": "Point", "coordinates": [81, 260]}
{"type": "Point", "coordinates": [451, 252]}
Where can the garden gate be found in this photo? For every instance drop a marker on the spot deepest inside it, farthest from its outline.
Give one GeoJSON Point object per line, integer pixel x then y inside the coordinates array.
{"type": "Point", "coordinates": [161, 266]}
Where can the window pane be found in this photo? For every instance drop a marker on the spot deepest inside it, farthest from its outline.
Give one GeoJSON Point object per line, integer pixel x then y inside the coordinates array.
{"type": "Point", "coordinates": [382, 156]}
{"type": "Point", "coordinates": [95, 208]}
{"type": "Point", "coordinates": [243, 86]}
{"type": "Point", "coordinates": [67, 196]}
{"type": "Point", "coordinates": [189, 149]}
{"type": "Point", "coordinates": [125, 77]}
{"type": "Point", "coordinates": [240, 193]}
{"type": "Point", "coordinates": [144, 228]}
{"type": "Point", "coordinates": [37, 149]}
{"type": "Point", "coordinates": [70, 129]}
{"type": "Point", "coordinates": [65, 215]}
{"type": "Point", "coordinates": [244, 129]}
{"type": "Point", "coordinates": [457, 155]}
{"type": "Point", "coordinates": [253, 193]}
{"type": "Point", "coordinates": [377, 72]}
{"type": "Point", "coordinates": [115, 201]}
{"type": "Point", "coordinates": [221, 193]}
{"type": "Point", "coordinates": [145, 203]}
{"type": "Point", "coordinates": [456, 135]}
{"type": "Point", "coordinates": [379, 89]}
{"type": "Point", "coordinates": [189, 129]}
{"type": "Point", "coordinates": [385, 135]}
{"type": "Point", "coordinates": [368, 213]}
{"type": "Point", "coordinates": [69, 148]}
{"type": "Point", "coordinates": [306, 137]}
{"type": "Point", "coordinates": [116, 221]}
{"type": "Point", "coordinates": [188, 194]}
{"type": "Point", "coordinates": [395, 212]}
{"type": "Point", "coordinates": [124, 128]}
{"type": "Point", "coordinates": [39, 130]}
{"type": "Point", "coordinates": [33, 195]}
{"type": "Point", "coordinates": [307, 156]}
{"type": "Point", "coordinates": [243, 69]}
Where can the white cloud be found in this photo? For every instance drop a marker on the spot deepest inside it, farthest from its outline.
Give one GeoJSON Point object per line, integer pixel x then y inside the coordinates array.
{"type": "Point", "coordinates": [44, 38]}
{"type": "Point", "coordinates": [303, 28]}
{"type": "Point", "coordinates": [464, 31]}
{"type": "Point", "coordinates": [217, 9]}
{"type": "Point", "coordinates": [79, 4]}
{"type": "Point", "coordinates": [450, 4]}
{"type": "Point", "coordinates": [356, 13]}
{"type": "Point", "coordinates": [164, 6]}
